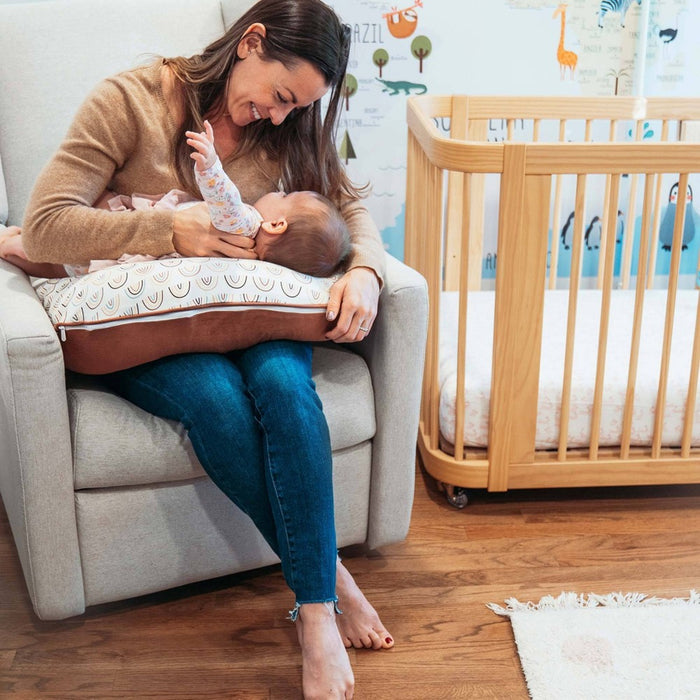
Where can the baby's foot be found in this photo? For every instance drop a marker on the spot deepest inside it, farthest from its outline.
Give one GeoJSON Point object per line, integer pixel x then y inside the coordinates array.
{"type": "Point", "coordinates": [359, 624]}
{"type": "Point", "coordinates": [326, 671]}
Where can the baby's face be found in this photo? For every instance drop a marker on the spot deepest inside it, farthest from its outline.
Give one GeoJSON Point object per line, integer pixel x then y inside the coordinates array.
{"type": "Point", "coordinates": [278, 205]}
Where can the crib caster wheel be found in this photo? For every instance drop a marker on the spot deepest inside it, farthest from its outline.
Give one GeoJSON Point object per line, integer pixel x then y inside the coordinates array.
{"type": "Point", "coordinates": [456, 495]}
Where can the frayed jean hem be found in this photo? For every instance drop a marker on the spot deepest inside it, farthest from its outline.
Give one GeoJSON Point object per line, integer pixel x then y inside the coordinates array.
{"type": "Point", "coordinates": [293, 614]}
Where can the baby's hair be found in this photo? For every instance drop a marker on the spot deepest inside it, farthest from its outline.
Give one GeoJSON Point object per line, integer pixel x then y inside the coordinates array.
{"type": "Point", "coordinates": [317, 240]}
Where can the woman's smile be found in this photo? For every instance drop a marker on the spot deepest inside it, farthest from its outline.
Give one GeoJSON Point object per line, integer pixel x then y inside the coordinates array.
{"type": "Point", "coordinates": [260, 89]}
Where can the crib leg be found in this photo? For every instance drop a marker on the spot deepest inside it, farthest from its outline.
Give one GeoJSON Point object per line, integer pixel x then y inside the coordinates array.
{"type": "Point", "coordinates": [456, 495]}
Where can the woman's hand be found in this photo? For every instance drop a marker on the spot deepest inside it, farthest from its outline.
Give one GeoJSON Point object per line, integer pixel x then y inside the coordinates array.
{"type": "Point", "coordinates": [353, 301]}
{"type": "Point", "coordinates": [195, 237]}
{"type": "Point", "coordinates": [11, 243]}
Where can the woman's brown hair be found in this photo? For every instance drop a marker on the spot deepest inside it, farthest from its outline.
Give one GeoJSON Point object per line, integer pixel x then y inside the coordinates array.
{"type": "Point", "coordinates": [304, 143]}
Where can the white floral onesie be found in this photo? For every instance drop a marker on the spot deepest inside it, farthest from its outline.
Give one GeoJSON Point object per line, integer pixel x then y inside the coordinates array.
{"type": "Point", "coordinates": [226, 209]}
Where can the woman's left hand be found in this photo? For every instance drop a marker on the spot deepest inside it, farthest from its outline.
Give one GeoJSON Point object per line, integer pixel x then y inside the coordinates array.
{"type": "Point", "coordinates": [353, 301]}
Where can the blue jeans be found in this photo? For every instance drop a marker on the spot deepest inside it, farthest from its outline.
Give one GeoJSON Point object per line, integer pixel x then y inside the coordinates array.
{"type": "Point", "coordinates": [257, 427]}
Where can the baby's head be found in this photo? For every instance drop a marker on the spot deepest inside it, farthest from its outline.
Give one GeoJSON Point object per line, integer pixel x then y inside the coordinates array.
{"type": "Point", "coordinates": [302, 231]}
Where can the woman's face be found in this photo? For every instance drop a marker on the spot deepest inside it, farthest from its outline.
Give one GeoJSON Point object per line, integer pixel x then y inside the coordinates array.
{"type": "Point", "coordinates": [259, 89]}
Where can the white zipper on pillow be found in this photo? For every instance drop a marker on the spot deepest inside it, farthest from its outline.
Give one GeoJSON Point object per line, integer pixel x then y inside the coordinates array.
{"type": "Point", "coordinates": [184, 313]}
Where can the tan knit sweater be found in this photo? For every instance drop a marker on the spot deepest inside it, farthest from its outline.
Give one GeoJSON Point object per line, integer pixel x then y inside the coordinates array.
{"type": "Point", "coordinates": [120, 139]}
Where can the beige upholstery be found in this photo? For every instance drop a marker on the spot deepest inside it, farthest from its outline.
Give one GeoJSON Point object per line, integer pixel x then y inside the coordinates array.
{"type": "Point", "coordinates": [106, 501]}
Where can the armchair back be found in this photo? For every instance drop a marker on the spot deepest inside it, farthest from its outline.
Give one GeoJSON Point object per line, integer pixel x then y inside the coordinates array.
{"type": "Point", "coordinates": [48, 72]}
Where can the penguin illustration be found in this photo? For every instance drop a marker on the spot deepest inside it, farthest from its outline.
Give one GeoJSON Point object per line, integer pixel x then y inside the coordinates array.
{"type": "Point", "coordinates": [567, 232]}
{"type": "Point", "coordinates": [620, 231]}
{"type": "Point", "coordinates": [668, 220]}
{"type": "Point", "coordinates": [592, 235]}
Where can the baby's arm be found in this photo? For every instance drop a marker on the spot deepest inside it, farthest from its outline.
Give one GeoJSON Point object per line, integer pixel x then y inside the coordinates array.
{"type": "Point", "coordinates": [226, 209]}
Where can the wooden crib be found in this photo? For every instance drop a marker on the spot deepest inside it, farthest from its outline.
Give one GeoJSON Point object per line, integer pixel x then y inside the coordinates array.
{"type": "Point", "coordinates": [526, 176]}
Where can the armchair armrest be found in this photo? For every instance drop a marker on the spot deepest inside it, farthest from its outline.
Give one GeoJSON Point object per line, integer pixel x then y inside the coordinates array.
{"type": "Point", "coordinates": [36, 469]}
{"type": "Point", "coordinates": [395, 352]}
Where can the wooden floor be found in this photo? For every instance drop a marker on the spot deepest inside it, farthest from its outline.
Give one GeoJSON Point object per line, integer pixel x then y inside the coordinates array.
{"type": "Point", "coordinates": [229, 639]}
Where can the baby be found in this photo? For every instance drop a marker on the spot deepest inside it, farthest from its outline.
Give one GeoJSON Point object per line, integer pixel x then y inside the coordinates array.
{"type": "Point", "coordinates": [300, 230]}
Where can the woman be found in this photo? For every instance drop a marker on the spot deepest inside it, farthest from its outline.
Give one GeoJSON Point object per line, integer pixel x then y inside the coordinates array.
{"type": "Point", "coordinates": [253, 417]}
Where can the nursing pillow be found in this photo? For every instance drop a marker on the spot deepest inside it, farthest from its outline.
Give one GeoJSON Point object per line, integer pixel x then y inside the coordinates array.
{"type": "Point", "coordinates": [136, 312]}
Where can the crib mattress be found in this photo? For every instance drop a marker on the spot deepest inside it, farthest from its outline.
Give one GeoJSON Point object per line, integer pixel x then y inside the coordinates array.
{"type": "Point", "coordinates": [480, 349]}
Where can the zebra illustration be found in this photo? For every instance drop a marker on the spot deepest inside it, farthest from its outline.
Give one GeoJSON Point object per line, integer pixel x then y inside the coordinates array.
{"type": "Point", "coordinates": [620, 6]}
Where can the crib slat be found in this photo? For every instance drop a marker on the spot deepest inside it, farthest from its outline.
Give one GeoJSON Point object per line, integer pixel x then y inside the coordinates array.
{"type": "Point", "coordinates": [574, 284]}
{"type": "Point", "coordinates": [453, 229]}
{"type": "Point", "coordinates": [628, 240]}
{"type": "Point", "coordinates": [462, 325]}
{"type": "Point", "coordinates": [607, 283]}
{"type": "Point", "coordinates": [637, 320]}
{"type": "Point", "coordinates": [536, 130]}
{"type": "Point", "coordinates": [417, 243]}
{"type": "Point", "coordinates": [478, 131]}
{"type": "Point", "coordinates": [432, 229]}
{"type": "Point", "coordinates": [520, 281]}
{"type": "Point", "coordinates": [657, 216]}
{"type": "Point", "coordinates": [692, 389]}
{"type": "Point", "coordinates": [556, 218]}
{"type": "Point", "coordinates": [670, 310]}
{"type": "Point", "coordinates": [604, 216]}
{"type": "Point", "coordinates": [413, 170]}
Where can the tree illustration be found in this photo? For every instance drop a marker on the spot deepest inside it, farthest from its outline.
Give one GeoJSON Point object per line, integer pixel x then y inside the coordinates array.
{"type": "Point", "coordinates": [380, 58]}
{"type": "Point", "coordinates": [346, 151]}
{"type": "Point", "coordinates": [617, 75]}
{"type": "Point", "coordinates": [421, 48]}
{"type": "Point", "coordinates": [349, 88]}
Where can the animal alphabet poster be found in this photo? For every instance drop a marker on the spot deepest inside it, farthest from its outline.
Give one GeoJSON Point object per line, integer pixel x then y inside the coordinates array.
{"type": "Point", "coordinates": [499, 47]}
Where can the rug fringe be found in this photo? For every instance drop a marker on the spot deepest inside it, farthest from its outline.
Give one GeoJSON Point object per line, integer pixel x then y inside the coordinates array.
{"type": "Point", "coordinates": [570, 600]}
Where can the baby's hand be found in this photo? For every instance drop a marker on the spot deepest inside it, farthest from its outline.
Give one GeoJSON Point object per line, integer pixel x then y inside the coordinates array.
{"type": "Point", "coordinates": [204, 154]}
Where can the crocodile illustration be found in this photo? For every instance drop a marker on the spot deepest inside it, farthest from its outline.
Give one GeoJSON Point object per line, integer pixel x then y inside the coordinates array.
{"type": "Point", "coordinates": [393, 87]}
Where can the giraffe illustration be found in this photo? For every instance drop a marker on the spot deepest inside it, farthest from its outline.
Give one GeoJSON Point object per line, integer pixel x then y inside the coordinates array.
{"type": "Point", "coordinates": [567, 59]}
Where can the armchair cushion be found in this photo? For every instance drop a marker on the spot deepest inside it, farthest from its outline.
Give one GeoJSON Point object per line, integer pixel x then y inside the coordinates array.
{"type": "Point", "coordinates": [116, 443]}
{"type": "Point", "coordinates": [136, 312]}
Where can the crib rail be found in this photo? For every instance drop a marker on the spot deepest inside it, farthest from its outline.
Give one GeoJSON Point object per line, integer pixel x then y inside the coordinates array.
{"type": "Point", "coordinates": [614, 156]}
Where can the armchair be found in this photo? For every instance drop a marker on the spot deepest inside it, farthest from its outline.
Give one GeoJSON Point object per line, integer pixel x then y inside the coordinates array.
{"type": "Point", "coordinates": [106, 501]}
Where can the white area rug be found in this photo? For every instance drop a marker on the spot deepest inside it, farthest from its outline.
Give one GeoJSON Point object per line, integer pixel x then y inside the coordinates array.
{"type": "Point", "coordinates": [613, 647]}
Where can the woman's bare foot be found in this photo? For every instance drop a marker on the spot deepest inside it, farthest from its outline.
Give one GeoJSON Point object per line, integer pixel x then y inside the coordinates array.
{"type": "Point", "coordinates": [326, 671]}
{"type": "Point", "coordinates": [359, 624]}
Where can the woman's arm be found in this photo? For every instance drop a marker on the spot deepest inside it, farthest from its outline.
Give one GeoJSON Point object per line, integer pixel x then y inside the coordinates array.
{"type": "Point", "coordinates": [367, 246]}
{"type": "Point", "coordinates": [355, 296]}
{"type": "Point", "coordinates": [109, 135]}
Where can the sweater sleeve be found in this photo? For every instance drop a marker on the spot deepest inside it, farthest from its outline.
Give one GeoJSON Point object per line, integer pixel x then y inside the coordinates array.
{"type": "Point", "coordinates": [60, 224]}
{"type": "Point", "coordinates": [367, 246]}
